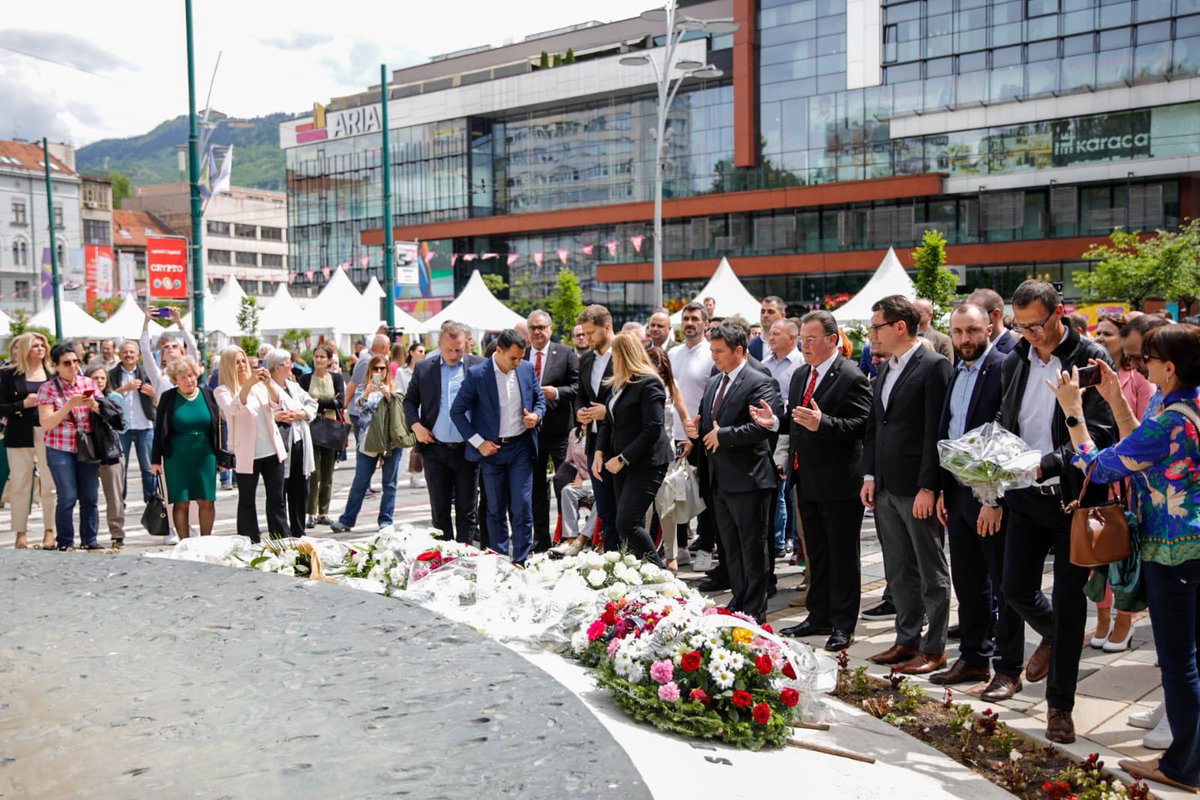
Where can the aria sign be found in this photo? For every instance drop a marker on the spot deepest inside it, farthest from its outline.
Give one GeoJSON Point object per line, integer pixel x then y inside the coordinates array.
{"type": "Point", "coordinates": [337, 124]}
{"type": "Point", "coordinates": [1102, 138]}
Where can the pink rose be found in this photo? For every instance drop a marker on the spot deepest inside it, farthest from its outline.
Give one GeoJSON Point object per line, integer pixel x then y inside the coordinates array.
{"type": "Point", "coordinates": [668, 692]}
{"type": "Point", "coordinates": [662, 672]}
{"type": "Point", "coordinates": [595, 630]}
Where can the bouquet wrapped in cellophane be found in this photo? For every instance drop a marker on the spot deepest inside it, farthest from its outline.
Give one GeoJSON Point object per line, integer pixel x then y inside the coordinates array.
{"type": "Point", "coordinates": [990, 461]}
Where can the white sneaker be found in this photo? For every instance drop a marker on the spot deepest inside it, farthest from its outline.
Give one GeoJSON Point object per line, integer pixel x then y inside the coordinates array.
{"type": "Point", "coordinates": [416, 481]}
{"type": "Point", "coordinates": [1148, 719]}
{"type": "Point", "coordinates": [702, 561]}
{"type": "Point", "coordinates": [568, 548]}
{"type": "Point", "coordinates": [387, 530]}
{"type": "Point", "coordinates": [1160, 738]}
{"type": "Point", "coordinates": [172, 538]}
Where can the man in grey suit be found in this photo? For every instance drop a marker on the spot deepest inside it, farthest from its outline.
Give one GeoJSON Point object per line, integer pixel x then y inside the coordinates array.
{"type": "Point", "coordinates": [940, 341]}
{"type": "Point", "coordinates": [659, 330]}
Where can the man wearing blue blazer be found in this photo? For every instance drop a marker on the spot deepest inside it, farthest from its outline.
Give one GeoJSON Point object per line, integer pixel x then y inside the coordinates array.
{"type": "Point", "coordinates": [497, 411]}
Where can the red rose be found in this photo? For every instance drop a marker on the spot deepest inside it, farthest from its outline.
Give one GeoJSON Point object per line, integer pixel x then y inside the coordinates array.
{"type": "Point", "coordinates": [766, 627]}
{"type": "Point", "coordinates": [698, 696]}
{"type": "Point", "coordinates": [789, 697]}
{"type": "Point", "coordinates": [787, 670]}
{"type": "Point", "coordinates": [762, 713]}
{"type": "Point", "coordinates": [742, 699]}
{"type": "Point", "coordinates": [762, 663]}
{"type": "Point", "coordinates": [609, 617]}
{"type": "Point", "coordinates": [428, 555]}
{"type": "Point", "coordinates": [690, 661]}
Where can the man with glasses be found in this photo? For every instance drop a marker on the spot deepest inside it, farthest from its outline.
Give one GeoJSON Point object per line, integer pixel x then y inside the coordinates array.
{"type": "Point", "coordinates": [169, 349]}
{"type": "Point", "coordinates": [556, 368]}
{"type": "Point", "coordinates": [1036, 523]}
{"type": "Point", "coordinates": [579, 341]}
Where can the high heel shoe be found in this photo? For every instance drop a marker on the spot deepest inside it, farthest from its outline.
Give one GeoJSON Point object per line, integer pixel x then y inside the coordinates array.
{"type": "Point", "coordinates": [1111, 646]}
{"type": "Point", "coordinates": [48, 541]}
{"type": "Point", "coordinates": [21, 543]}
{"type": "Point", "coordinates": [1099, 643]}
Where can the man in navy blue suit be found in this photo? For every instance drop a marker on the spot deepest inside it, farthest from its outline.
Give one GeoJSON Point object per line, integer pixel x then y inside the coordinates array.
{"type": "Point", "coordinates": [497, 411]}
{"type": "Point", "coordinates": [1003, 340]}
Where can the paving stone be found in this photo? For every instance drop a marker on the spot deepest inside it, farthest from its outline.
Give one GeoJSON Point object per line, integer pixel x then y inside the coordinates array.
{"type": "Point", "coordinates": [1121, 680]}
{"type": "Point", "coordinates": [1089, 712]}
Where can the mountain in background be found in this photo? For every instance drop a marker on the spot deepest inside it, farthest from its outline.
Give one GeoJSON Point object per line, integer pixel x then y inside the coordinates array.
{"type": "Point", "coordinates": [257, 158]}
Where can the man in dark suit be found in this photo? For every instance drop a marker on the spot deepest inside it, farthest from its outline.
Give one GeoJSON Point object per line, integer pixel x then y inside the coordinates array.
{"type": "Point", "coordinates": [741, 472]}
{"type": "Point", "coordinates": [992, 303]}
{"type": "Point", "coordinates": [591, 405]}
{"type": "Point", "coordinates": [496, 411]}
{"type": "Point", "coordinates": [773, 308]}
{"type": "Point", "coordinates": [449, 476]}
{"type": "Point", "coordinates": [976, 530]}
{"type": "Point", "coordinates": [556, 368]}
{"type": "Point", "coordinates": [925, 329]}
{"type": "Point", "coordinates": [829, 401]}
{"type": "Point", "coordinates": [901, 481]}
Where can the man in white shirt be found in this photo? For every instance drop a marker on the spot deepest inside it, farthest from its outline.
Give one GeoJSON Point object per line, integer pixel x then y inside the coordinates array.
{"type": "Point", "coordinates": [169, 349]}
{"type": "Point", "coordinates": [659, 331]}
{"type": "Point", "coordinates": [782, 360]}
{"type": "Point", "coordinates": [692, 366]}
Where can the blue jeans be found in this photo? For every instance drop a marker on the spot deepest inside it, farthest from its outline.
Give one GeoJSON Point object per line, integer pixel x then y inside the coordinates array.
{"type": "Point", "coordinates": [76, 483]}
{"type": "Point", "coordinates": [140, 439]}
{"type": "Point", "coordinates": [1173, 594]}
{"type": "Point", "coordinates": [780, 521]}
{"type": "Point", "coordinates": [507, 480]}
{"type": "Point", "coordinates": [364, 469]}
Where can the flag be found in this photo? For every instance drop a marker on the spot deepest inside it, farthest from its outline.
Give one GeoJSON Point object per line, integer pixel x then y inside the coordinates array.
{"type": "Point", "coordinates": [562, 254]}
{"type": "Point", "coordinates": [325, 272]}
{"type": "Point", "coordinates": [365, 260]}
{"type": "Point", "coordinates": [308, 275]}
{"type": "Point", "coordinates": [587, 249]}
{"type": "Point", "coordinates": [469, 257]}
{"type": "Point", "coordinates": [291, 277]}
{"type": "Point", "coordinates": [636, 241]}
{"type": "Point", "coordinates": [224, 178]}
{"type": "Point", "coordinates": [612, 248]}
{"type": "Point", "coordinates": [537, 259]}
{"type": "Point", "coordinates": [486, 256]}
{"type": "Point", "coordinates": [512, 257]}
{"type": "Point", "coordinates": [453, 258]}
{"type": "Point", "coordinates": [207, 169]}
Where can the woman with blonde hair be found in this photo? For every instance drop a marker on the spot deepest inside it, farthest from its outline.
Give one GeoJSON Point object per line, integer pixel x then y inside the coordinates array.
{"type": "Point", "coordinates": [187, 436]}
{"type": "Point", "coordinates": [19, 384]}
{"type": "Point", "coordinates": [248, 401]}
{"type": "Point", "coordinates": [632, 443]}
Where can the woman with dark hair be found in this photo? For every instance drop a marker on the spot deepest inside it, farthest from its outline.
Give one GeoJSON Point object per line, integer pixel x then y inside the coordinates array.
{"type": "Point", "coordinates": [674, 412]}
{"type": "Point", "coordinates": [1160, 456]}
{"type": "Point", "coordinates": [328, 388]}
{"type": "Point", "coordinates": [416, 466]}
{"type": "Point", "coordinates": [19, 385]}
{"type": "Point", "coordinates": [112, 476]}
{"type": "Point", "coordinates": [65, 406]}
{"type": "Point", "coordinates": [377, 388]}
{"type": "Point", "coordinates": [187, 436]}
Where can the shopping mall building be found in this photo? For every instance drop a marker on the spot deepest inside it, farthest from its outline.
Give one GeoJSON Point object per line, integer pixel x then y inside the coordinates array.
{"type": "Point", "coordinates": [1023, 130]}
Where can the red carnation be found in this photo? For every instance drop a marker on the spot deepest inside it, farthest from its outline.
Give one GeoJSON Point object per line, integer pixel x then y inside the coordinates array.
{"type": "Point", "coordinates": [609, 617]}
{"type": "Point", "coordinates": [742, 699]}
{"type": "Point", "coordinates": [789, 697]}
{"type": "Point", "coordinates": [762, 713]}
{"type": "Point", "coordinates": [787, 670]}
{"type": "Point", "coordinates": [428, 555]}
{"type": "Point", "coordinates": [766, 627]}
{"type": "Point", "coordinates": [690, 661]}
{"type": "Point", "coordinates": [698, 696]}
{"type": "Point", "coordinates": [762, 663]}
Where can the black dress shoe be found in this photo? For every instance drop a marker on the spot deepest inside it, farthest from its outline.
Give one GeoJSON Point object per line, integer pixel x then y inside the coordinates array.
{"type": "Point", "coordinates": [806, 628]}
{"type": "Point", "coordinates": [883, 610]}
{"type": "Point", "coordinates": [838, 641]}
{"type": "Point", "coordinates": [954, 632]}
{"type": "Point", "coordinates": [713, 585]}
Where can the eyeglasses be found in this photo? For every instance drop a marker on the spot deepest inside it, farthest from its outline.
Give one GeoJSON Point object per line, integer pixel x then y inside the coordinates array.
{"type": "Point", "coordinates": [874, 328]}
{"type": "Point", "coordinates": [1036, 328]}
{"type": "Point", "coordinates": [540, 328]}
{"type": "Point", "coordinates": [811, 340]}
{"type": "Point", "coordinates": [1144, 357]}
{"type": "Point", "coordinates": [68, 362]}
{"type": "Point", "coordinates": [379, 369]}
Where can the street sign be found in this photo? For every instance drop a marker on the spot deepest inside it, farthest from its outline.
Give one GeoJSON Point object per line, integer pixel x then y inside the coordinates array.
{"type": "Point", "coordinates": [408, 276]}
{"type": "Point", "coordinates": [406, 255]}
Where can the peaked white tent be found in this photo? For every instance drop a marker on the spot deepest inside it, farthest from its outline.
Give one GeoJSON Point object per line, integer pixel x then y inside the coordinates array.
{"type": "Point", "coordinates": [340, 309]}
{"type": "Point", "coordinates": [5, 324]}
{"type": "Point", "coordinates": [231, 292]}
{"type": "Point", "coordinates": [218, 318]}
{"type": "Point", "coordinates": [126, 322]}
{"type": "Point", "coordinates": [732, 298]}
{"type": "Point", "coordinates": [477, 307]}
{"type": "Point", "coordinates": [281, 313]}
{"type": "Point", "coordinates": [76, 323]}
{"type": "Point", "coordinates": [373, 290]}
{"type": "Point", "coordinates": [889, 278]}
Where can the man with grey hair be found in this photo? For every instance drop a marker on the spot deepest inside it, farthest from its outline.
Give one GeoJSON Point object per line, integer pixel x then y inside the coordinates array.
{"type": "Point", "coordinates": [659, 330]}
{"type": "Point", "coordinates": [635, 328]}
{"type": "Point", "coordinates": [940, 341]}
{"type": "Point", "coordinates": [381, 345]}
{"type": "Point", "coordinates": [782, 360]}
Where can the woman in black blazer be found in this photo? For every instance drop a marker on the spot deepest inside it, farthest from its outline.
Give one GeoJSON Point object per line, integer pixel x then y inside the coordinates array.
{"type": "Point", "coordinates": [329, 390]}
{"type": "Point", "coordinates": [19, 384]}
{"type": "Point", "coordinates": [632, 442]}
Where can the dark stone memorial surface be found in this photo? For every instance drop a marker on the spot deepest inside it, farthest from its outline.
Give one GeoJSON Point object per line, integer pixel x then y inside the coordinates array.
{"type": "Point", "coordinates": [133, 677]}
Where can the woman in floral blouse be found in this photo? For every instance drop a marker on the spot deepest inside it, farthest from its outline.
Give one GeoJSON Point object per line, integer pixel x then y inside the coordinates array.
{"type": "Point", "coordinates": [1163, 456]}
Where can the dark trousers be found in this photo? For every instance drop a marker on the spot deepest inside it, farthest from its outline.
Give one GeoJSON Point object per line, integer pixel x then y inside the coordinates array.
{"type": "Point", "coordinates": [976, 572]}
{"type": "Point", "coordinates": [635, 487]}
{"type": "Point", "coordinates": [1173, 594]}
{"type": "Point", "coordinates": [271, 470]}
{"type": "Point", "coordinates": [320, 483]}
{"type": "Point", "coordinates": [743, 525]}
{"type": "Point", "coordinates": [295, 490]}
{"type": "Point", "coordinates": [1036, 523]}
{"type": "Point", "coordinates": [831, 540]}
{"type": "Point", "coordinates": [451, 479]}
{"type": "Point", "coordinates": [552, 450]}
{"type": "Point", "coordinates": [507, 481]}
{"type": "Point", "coordinates": [606, 507]}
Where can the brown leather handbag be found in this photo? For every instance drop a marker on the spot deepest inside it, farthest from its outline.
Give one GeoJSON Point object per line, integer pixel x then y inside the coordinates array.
{"type": "Point", "coordinates": [1099, 535]}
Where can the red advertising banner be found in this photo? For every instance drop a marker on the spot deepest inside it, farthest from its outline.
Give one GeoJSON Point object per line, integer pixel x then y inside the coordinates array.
{"type": "Point", "coordinates": [97, 271]}
{"type": "Point", "coordinates": [166, 267]}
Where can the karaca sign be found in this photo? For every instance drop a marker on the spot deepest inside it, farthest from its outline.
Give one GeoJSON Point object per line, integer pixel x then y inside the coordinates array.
{"type": "Point", "coordinates": [166, 267]}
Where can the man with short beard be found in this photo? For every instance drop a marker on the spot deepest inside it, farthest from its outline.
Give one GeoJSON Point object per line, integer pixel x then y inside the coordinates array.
{"type": "Point", "coordinates": [692, 365]}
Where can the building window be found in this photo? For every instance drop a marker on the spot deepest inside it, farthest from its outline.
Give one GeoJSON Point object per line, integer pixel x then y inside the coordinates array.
{"type": "Point", "coordinates": [271, 234]}
{"type": "Point", "coordinates": [18, 213]}
{"type": "Point", "coordinates": [95, 196]}
{"type": "Point", "coordinates": [62, 255]}
{"type": "Point", "coordinates": [220, 256]}
{"type": "Point", "coordinates": [218, 228]}
{"type": "Point", "coordinates": [20, 252]}
{"type": "Point", "coordinates": [96, 231]}
{"type": "Point", "coordinates": [21, 289]}
{"type": "Point", "coordinates": [246, 259]}
{"type": "Point", "coordinates": [245, 231]}
{"type": "Point", "coordinates": [272, 260]}
{"type": "Point", "coordinates": [59, 221]}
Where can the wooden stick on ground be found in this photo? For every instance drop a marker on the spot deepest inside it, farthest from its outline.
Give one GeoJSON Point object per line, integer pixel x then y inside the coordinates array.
{"type": "Point", "coordinates": [810, 726]}
{"type": "Point", "coordinates": [830, 751]}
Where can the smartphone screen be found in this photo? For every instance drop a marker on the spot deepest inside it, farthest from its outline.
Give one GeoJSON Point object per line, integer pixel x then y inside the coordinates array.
{"type": "Point", "coordinates": [377, 379]}
{"type": "Point", "coordinates": [162, 313]}
{"type": "Point", "coordinates": [1089, 375]}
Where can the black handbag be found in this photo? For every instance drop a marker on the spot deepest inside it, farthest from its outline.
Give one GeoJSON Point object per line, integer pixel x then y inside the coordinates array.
{"type": "Point", "coordinates": [332, 434]}
{"type": "Point", "coordinates": [154, 517]}
{"type": "Point", "coordinates": [226, 459]}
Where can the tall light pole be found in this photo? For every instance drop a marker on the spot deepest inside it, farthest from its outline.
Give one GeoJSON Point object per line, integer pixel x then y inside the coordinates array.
{"type": "Point", "coordinates": [389, 248]}
{"type": "Point", "coordinates": [668, 76]}
{"type": "Point", "coordinates": [55, 281]}
{"type": "Point", "coordinates": [194, 191]}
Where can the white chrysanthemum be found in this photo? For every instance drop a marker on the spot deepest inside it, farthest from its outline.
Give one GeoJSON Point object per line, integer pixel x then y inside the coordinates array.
{"type": "Point", "coordinates": [579, 641]}
{"type": "Point", "coordinates": [697, 640]}
{"type": "Point", "coordinates": [714, 642]}
{"type": "Point", "coordinates": [724, 678]}
{"type": "Point", "coordinates": [612, 556]}
{"type": "Point", "coordinates": [720, 657]}
{"type": "Point", "coordinates": [596, 577]}
{"type": "Point", "coordinates": [637, 674]}
{"type": "Point", "coordinates": [630, 560]}
{"type": "Point", "coordinates": [736, 661]}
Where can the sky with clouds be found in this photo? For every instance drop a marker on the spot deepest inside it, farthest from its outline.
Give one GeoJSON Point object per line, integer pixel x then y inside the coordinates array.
{"type": "Point", "coordinates": [81, 70]}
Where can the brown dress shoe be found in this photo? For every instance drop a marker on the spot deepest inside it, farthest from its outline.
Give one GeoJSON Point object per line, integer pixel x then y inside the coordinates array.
{"type": "Point", "coordinates": [922, 664]}
{"type": "Point", "coordinates": [896, 654]}
{"type": "Point", "coordinates": [961, 672]}
{"type": "Point", "coordinates": [1059, 726]}
{"type": "Point", "coordinates": [1002, 687]}
{"type": "Point", "coordinates": [1038, 664]}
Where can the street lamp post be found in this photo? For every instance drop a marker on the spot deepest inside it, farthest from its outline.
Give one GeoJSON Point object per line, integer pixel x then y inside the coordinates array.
{"type": "Point", "coordinates": [194, 193]}
{"type": "Point", "coordinates": [667, 78]}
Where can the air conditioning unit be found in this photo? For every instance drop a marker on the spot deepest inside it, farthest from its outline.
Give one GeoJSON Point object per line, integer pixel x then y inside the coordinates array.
{"type": "Point", "coordinates": [89, 204]}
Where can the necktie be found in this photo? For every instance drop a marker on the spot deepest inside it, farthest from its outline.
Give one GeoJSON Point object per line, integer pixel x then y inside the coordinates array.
{"type": "Point", "coordinates": [812, 384]}
{"type": "Point", "coordinates": [537, 366]}
{"type": "Point", "coordinates": [716, 406]}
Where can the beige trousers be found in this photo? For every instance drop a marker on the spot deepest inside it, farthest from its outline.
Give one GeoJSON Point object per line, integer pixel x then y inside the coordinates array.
{"type": "Point", "coordinates": [21, 461]}
{"type": "Point", "coordinates": [112, 481]}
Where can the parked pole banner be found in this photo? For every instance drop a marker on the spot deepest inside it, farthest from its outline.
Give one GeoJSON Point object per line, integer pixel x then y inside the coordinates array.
{"type": "Point", "coordinates": [128, 262]}
{"type": "Point", "coordinates": [166, 267]}
{"type": "Point", "coordinates": [97, 271]}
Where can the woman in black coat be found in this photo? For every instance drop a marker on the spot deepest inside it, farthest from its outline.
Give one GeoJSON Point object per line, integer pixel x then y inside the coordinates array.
{"type": "Point", "coordinates": [632, 443]}
{"type": "Point", "coordinates": [19, 384]}
{"type": "Point", "coordinates": [329, 390]}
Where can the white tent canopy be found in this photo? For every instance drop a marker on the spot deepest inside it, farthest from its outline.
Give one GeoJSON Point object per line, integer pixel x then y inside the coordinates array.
{"type": "Point", "coordinates": [407, 322]}
{"type": "Point", "coordinates": [5, 324]}
{"type": "Point", "coordinates": [126, 322]}
{"type": "Point", "coordinates": [732, 298]}
{"type": "Point", "coordinates": [339, 308]}
{"type": "Point", "coordinates": [281, 312]}
{"type": "Point", "coordinates": [218, 317]}
{"type": "Point", "coordinates": [231, 292]}
{"type": "Point", "coordinates": [889, 278]}
{"type": "Point", "coordinates": [76, 323]}
{"type": "Point", "coordinates": [373, 290]}
{"type": "Point", "coordinates": [476, 307]}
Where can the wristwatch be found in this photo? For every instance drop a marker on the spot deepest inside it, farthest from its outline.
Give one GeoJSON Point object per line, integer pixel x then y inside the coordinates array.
{"type": "Point", "coordinates": [624, 461]}
{"type": "Point", "coordinates": [1073, 421]}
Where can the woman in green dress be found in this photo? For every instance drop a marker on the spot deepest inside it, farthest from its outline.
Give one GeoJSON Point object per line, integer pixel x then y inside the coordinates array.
{"type": "Point", "coordinates": [187, 435]}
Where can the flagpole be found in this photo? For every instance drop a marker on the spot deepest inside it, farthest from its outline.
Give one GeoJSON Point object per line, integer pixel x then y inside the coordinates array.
{"type": "Point", "coordinates": [389, 247]}
{"type": "Point", "coordinates": [194, 191]}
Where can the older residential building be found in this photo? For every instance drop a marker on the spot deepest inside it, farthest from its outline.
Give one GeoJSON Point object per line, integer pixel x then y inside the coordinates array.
{"type": "Point", "coordinates": [129, 232]}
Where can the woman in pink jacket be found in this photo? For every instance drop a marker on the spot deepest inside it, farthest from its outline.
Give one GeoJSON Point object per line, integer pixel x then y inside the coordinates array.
{"type": "Point", "coordinates": [248, 401]}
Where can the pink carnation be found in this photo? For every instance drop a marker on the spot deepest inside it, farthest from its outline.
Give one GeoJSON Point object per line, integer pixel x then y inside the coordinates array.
{"type": "Point", "coordinates": [612, 648]}
{"type": "Point", "coordinates": [595, 630]}
{"type": "Point", "coordinates": [662, 672]}
{"type": "Point", "coordinates": [668, 692]}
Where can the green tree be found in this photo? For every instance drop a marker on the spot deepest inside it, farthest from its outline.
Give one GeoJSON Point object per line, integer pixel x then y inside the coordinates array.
{"type": "Point", "coordinates": [247, 320]}
{"type": "Point", "coordinates": [20, 324]}
{"type": "Point", "coordinates": [1132, 268]}
{"type": "Point", "coordinates": [120, 188]}
{"type": "Point", "coordinates": [566, 301]}
{"type": "Point", "coordinates": [934, 282]}
{"type": "Point", "coordinates": [495, 284]}
{"type": "Point", "coordinates": [293, 339]}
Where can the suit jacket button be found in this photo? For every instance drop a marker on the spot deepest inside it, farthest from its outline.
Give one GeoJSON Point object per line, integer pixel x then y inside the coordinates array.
{"type": "Point", "coordinates": [885, 422]}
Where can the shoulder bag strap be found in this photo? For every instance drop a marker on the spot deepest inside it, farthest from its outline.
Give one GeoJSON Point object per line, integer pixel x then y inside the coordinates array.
{"type": "Point", "coordinates": [1187, 412]}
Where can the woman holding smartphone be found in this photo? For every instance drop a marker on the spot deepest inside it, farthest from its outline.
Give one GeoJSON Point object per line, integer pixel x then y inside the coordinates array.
{"type": "Point", "coordinates": [377, 389]}
{"type": "Point", "coordinates": [65, 406]}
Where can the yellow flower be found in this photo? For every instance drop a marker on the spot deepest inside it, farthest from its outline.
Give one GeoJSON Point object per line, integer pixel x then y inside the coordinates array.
{"type": "Point", "coordinates": [741, 635]}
